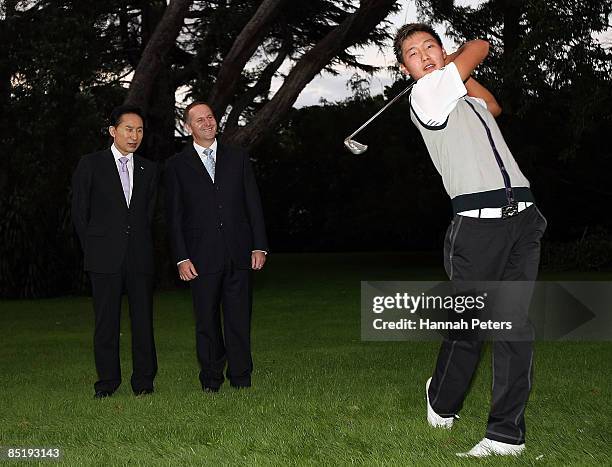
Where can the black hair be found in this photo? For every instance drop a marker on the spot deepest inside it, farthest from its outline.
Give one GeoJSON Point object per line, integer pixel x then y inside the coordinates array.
{"type": "Point", "coordinates": [408, 30]}
{"type": "Point", "coordinates": [118, 112]}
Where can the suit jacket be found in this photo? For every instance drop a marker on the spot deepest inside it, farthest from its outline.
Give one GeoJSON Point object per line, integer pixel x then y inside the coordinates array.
{"type": "Point", "coordinates": [106, 227]}
{"type": "Point", "coordinates": [206, 218]}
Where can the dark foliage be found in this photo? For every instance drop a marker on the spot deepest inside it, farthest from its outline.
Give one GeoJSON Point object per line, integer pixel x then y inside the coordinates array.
{"type": "Point", "coordinates": [62, 69]}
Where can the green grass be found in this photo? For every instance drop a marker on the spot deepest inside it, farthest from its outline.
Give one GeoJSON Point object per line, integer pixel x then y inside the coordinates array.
{"type": "Point", "coordinates": [320, 395]}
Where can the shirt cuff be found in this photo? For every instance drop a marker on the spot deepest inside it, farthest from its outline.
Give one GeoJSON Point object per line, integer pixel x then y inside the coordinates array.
{"type": "Point", "coordinates": [182, 261]}
{"type": "Point", "coordinates": [263, 251]}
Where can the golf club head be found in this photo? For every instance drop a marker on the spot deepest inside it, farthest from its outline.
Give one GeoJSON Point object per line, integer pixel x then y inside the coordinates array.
{"type": "Point", "coordinates": [355, 147]}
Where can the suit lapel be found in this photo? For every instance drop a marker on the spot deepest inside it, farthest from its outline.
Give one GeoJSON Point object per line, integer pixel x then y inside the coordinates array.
{"type": "Point", "coordinates": [110, 166]}
{"type": "Point", "coordinates": [139, 178]}
{"type": "Point", "coordinates": [192, 159]}
{"type": "Point", "coordinates": [221, 163]}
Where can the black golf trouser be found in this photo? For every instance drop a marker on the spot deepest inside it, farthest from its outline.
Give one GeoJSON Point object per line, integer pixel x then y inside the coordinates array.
{"type": "Point", "coordinates": [490, 250]}
{"type": "Point", "coordinates": [107, 291]}
{"type": "Point", "coordinates": [229, 290]}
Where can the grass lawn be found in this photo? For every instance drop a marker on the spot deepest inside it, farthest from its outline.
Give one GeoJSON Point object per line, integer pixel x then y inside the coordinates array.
{"type": "Point", "coordinates": [320, 396]}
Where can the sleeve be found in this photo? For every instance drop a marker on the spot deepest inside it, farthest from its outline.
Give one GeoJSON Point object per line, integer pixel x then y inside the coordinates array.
{"type": "Point", "coordinates": [174, 213]}
{"type": "Point", "coordinates": [81, 187]}
{"type": "Point", "coordinates": [435, 96]}
{"type": "Point", "coordinates": [480, 101]}
{"type": "Point", "coordinates": [254, 209]}
{"type": "Point", "coordinates": [153, 192]}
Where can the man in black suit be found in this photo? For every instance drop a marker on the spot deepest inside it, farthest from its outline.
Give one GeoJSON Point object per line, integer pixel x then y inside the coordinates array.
{"type": "Point", "coordinates": [217, 234]}
{"type": "Point", "coordinates": [113, 197]}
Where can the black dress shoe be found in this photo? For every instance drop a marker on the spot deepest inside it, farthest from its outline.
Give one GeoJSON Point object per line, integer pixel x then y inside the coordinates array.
{"type": "Point", "coordinates": [209, 389]}
{"type": "Point", "coordinates": [240, 386]}
{"type": "Point", "coordinates": [102, 394]}
{"type": "Point", "coordinates": [143, 392]}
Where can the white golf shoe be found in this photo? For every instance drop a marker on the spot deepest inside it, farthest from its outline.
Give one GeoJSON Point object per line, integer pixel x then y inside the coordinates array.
{"type": "Point", "coordinates": [432, 417]}
{"type": "Point", "coordinates": [488, 447]}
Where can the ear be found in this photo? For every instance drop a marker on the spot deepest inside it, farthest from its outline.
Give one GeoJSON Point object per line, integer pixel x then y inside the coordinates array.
{"type": "Point", "coordinates": [403, 69]}
{"type": "Point", "coordinates": [111, 131]}
{"type": "Point", "coordinates": [188, 128]}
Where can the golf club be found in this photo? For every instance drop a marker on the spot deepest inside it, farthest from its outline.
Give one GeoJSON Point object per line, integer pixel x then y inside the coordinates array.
{"type": "Point", "coordinates": [358, 148]}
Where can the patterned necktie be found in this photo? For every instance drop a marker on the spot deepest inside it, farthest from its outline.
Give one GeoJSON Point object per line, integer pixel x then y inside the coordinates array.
{"type": "Point", "coordinates": [209, 163]}
{"type": "Point", "coordinates": [125, 178]}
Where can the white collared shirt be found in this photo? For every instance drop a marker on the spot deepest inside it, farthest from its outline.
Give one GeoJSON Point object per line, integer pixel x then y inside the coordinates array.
{"type": "Point", "coordinates": [117, 154]}
{"type": "Point", "coordinates": [200, 150]}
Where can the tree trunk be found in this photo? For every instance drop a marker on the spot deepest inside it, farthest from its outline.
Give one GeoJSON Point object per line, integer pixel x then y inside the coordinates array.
{"type": "Point", "coordinates": [262, 86]}
{"type": "Point", "coordinates": [241, 51]}
{"type": "Point", "coordinates": [129, 44]}
{"type": "Point", "coordinates": [155, 52]}
{"type": "Point", "coordinates": [6, 39]}
{"type": "Point", "coordinates": [159, 131]}
{"type": "Point", "coordinates": [511, 93]}
{"type": "Point", "coordinates": [347, 33]}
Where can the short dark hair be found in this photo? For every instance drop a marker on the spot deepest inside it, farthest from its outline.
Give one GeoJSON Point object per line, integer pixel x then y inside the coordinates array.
{"type": "Point", "coordinates": [408, 30]}
{"type": "Point", "coordinates": [191, 106]}
{"type": "Point", "coordinates": [118, 112]}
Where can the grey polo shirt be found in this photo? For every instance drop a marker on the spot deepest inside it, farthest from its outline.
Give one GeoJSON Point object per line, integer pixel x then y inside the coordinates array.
{"type": "Point", "coordinates": [464, 143]}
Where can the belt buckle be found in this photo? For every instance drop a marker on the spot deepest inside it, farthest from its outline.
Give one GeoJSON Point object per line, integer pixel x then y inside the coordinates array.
{"type": "Point", "coordinates": [509, 210]}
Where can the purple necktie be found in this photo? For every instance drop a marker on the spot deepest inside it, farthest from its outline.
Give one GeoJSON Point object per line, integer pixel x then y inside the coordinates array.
{"type": "Point", "coordinates": [125, 178]}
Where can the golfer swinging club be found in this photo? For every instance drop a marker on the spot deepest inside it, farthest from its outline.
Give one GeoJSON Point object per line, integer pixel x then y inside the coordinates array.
{"type": "Point", "coordinates": [495, 232]}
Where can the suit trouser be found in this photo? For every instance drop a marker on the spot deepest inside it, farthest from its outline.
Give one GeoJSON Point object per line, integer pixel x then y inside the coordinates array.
{"type": "Point", "coordinates": [490, 250]}
{"type": "Point", "coordinates": [229, 289]}
{"type": "Point", "coordinates": [107, 292]}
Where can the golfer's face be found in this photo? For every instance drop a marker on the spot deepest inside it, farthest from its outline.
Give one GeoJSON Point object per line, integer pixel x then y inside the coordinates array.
{"type": "Point", "coordinates": [422, 54]}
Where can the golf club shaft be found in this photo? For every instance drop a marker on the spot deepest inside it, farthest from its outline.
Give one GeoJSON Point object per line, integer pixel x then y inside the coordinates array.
{"type": "Point", "coordinates": [382, 110]}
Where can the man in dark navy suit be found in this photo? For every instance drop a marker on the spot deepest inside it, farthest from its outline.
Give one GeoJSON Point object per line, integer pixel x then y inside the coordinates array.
{"type": "Point", "coordinates": [113, 197]}
{"type": "Point", "coordinates": [218, 235]}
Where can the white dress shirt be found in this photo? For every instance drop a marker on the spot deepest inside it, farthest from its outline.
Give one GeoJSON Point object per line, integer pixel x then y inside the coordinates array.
{"type": "Point", "coordinates": [130, 165]}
